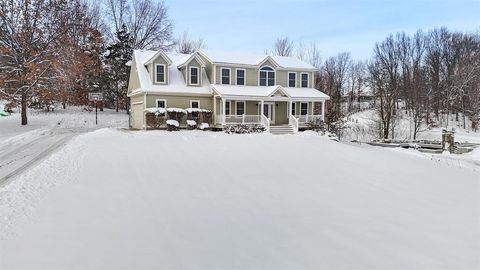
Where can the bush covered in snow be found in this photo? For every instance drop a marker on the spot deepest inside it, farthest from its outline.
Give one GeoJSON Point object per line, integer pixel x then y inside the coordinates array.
{"type": "Point", "coordinates": [176, 114]}
{"type": "Point", "coordinates": [199, 115]}
{"type": "Point", "coordinates": [204, 126]}
{"type": "Point", "coordinates": [316, 125]}
{"type": "Point", "coordinates": [243, 129]}
{"type": "Point", "coordinates": [155, 117]}
{"type": "Point", "coordinates": [191, 124]}
{"type": "Point", "coordinates": [172, 125]}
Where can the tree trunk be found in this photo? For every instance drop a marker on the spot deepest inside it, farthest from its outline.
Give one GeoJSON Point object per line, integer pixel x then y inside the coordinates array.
{"type": "Point", "coordinates": [116, 103]}
{"type": "Point", "coordinates": [24, 109]}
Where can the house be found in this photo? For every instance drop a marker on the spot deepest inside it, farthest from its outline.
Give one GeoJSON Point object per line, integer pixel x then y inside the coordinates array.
{"type": "Point", "coordinates": [273, 91]}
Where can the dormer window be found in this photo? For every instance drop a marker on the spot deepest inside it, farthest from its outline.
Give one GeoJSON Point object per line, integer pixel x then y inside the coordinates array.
{"type": "Point", "coordinates": [194, 75]}
{"type": "Point", "coordinates": [225, 72]}
{"type": "Point", "coordinates": [160, 73]}
{"type": "Point", "coordinates": [267, 76]}
{"type": "Point", "coordinates": [304, 82]}
{"type": "Point", "coordinates": [292, 79]}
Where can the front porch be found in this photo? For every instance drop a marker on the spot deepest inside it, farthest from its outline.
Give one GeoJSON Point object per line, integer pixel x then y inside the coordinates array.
{"type": "Point", "coordinates": [266, 112]}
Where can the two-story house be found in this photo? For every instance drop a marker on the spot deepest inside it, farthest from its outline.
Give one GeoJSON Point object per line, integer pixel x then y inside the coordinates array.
{"type": "Point", "coordinates": [237, 88]}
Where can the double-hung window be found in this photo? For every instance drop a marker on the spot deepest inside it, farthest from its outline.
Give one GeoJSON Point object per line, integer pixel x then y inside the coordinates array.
{"type": "Point", "coordinates": [160, 73]}
{"type": "Point", "coordinates": [240, 107]}
{"type": "Point", "coordinates": [293, 108]}
{"type": "Point", "coordinates": [267, 76]}
{"type": "Point", "coordinates": [161, 103]}
{"type": "Point", "coordinates": [194, 75]}
{"type": "Point", "coordinates": [227, 107]}
{"type": "Point", "coordinates": [195, 104]}
{"type": "Point", "coordinates": [292, 79]}
{"type": "Point", "coordinates": [303, 108]}
{"type": "Point", "coordinates": [225, 75]}
{"type": "Point", "coordinates": [240, 76]}
{"type": "Point", "coordinates": [304, 80]}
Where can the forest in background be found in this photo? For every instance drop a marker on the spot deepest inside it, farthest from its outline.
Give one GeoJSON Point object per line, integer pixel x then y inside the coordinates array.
{"type": "Point", "coordinates": [57, 51]}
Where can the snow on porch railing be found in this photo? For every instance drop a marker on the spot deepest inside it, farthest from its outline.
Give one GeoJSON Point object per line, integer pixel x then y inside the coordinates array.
{"type": "Point", "coordinates": [293, 121]}
{"type": "Point", "coordinates": [265, 123]}
{"type": "Point", "coordinates": [239, 119]}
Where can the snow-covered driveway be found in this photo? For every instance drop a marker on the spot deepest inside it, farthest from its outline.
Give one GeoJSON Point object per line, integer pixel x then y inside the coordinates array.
{"type": "Point", "coordinates": [116, 199]}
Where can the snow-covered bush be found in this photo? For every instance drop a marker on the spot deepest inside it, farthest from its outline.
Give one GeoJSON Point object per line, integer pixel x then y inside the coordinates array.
{"type": "Point", "coordinates": [316, 125]}
{"type": "Point", "coordinates": [203, 126]}
{"type": "Point", "coordinates": [243, 129]}
{"type": "Point", "coordinates": [176, 114]}
{"type": "Point", "coordinates": [172, 125]}
{"type": "Point", "coordinates": [155, 117]}
{"type": "Point", "coordinates": [199, 115]}
{"type": "Point", "coordinates": [191, 124]}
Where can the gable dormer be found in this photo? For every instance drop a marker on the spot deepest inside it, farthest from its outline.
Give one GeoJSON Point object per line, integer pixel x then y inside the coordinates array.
{"type": "Point", "coordinates": [158, 66]}
{"type": "Point", "coordinates": [192, 69]}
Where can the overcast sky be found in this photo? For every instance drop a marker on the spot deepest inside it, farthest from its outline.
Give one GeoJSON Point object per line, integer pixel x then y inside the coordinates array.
{"type": "Point", "coordinates": [336, 26]}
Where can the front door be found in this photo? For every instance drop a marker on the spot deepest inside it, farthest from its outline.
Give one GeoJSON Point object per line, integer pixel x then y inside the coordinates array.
{"type": "Point", "coordinates": [268, 111]}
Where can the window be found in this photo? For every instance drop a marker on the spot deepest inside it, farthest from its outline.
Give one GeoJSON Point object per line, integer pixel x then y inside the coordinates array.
{"type": "Point", "coordinates": [225, 72]}
{"type": "Point", "coordinates": [240, 76]}
{"type": "Point", "coordinates": [161, 103]}
{"type": "Point", "coordinates": [195, 104]}
{"type": "Point", "coordinates": [160, 73]}
{"type": "Point", "coordinates": [267, 76]}
{"type": "Point", "coordinates": [292, 79]}
{"type": "Point", "coordinates": [293, 108]}
{"type": "Point", "coordinates": [304, 80]}
{"type": "Point", "coordinates": [227, 107]}
{"type": "Point", "coordinates": [240, 107]}
{"type": "Point", "coordinates": [303, 108]}
{"type": "Point", "coordinates": [194, 75]}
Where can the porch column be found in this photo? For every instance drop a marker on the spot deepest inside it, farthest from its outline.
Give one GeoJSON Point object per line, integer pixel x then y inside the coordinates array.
{"type": "Point", "coordinates": [261, 108]}
{"type": "Point", "coordinates": [214, 110]}
{"type": "Point", "coordinates": [223, 111]}
{"type": "Point", "coordinates": [323, 110]}
{"type": "Point", "coordinates": [289, 109]}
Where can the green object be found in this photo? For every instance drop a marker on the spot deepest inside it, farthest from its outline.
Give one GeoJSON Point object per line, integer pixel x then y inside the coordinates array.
{"type": "Point", "coordinates": [4, 114]}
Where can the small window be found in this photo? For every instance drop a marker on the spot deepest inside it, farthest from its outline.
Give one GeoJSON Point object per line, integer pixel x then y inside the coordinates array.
{"type": "Point", "coordinates": [240, 107]}
{"type": "Point", "coordinates": [304, 108]}
{"type": "Point", "coordinates": [227, 107]}
{"type": "Point", "coordinates": [293, 108]}
{"type": "Point", "coordinates": [240, 76]}
{"type": "Point", "coordinates": [194, 75]}
{"type": "Point", "coordinates": [161, 103]}
{"type": "Point", "coordinates": [292, 79]}
{"type": "Point", "coordinates": [195, 104]}
{"type": "Point", "coordinates": [305, 80]}
{"type": "Point", "coordinates": [160, 73]}
{"type": "Point", "coordinates": [225, 75]}
{"type": "Point", "coordinates": [267, 76]}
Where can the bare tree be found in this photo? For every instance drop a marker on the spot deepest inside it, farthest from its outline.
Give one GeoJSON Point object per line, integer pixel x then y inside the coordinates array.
{"type": "Point", "coordinates": [186, 44]}
{"type": "Point", "coordinates": [283, 47]}
{"type": "Point", "coordinates": [147, 22]}
{"type": "Point", "coordinates": [309, 53]}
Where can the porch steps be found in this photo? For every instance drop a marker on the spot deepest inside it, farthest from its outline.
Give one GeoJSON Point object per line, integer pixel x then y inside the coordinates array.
{"type": "Point", "coordinates": [281, 129]}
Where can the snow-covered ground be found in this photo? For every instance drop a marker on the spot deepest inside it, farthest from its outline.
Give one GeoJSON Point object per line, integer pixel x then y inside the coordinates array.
{"type": "Point", "coordinates": [362, 127]}
{"type": "Point", "coordinates": [116, 199]}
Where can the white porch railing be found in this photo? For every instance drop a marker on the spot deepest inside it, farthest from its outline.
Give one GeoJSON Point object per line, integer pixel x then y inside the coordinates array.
{"type": "Point", "coordinates": [266, 123]}
{"type": "Point", "coordinates": [242, 119]}
{"type": "Point", "coordinates": [293, 121]}
{"type": "Point", "coordinates": [303, 119]}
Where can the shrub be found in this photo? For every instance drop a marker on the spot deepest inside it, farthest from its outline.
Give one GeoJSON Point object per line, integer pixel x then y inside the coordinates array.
{"type": "Point", "coordinates": [176, 114]}
{"type": "Point", "coordinates": [155, 117]}
{"type": "Point", "coordinates": [203, 126]}
{"type": "Point", "coordinates": [191, 124]}
{"type": "Point", "coordinates": [243, 129]}
{"type": "Point", "coordinates": [172, 125]}
{"type": "Point", "coordinates": [199, 115]}
{"type": "Point", "coordinates": [316, 125]}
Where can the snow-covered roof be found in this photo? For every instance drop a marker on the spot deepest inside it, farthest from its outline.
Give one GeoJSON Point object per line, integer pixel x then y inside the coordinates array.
{"type": "Point", "coordinates": [176, 81]}
{"type": "Point", "coordinates": [267, 91]}
{"type": "Point", "coordinates": [254, 59]}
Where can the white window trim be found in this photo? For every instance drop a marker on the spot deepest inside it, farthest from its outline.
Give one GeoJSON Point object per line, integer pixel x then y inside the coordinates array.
{"type": "Point", "coordinates": [159, 99]}
{"type": "Point", "coordinates": [194, 100]}
{"type": "Point", "coordinates": [229, 107]}
{"type": "Point", "coordinates": [244, 76]}
{"type": "Point", "coordinates": [229, 75]}
{"type": "Point", "coordinates": [236, 106]}
{"type": "Point", "coordinates": [190, 75]}
{"type": "Point", "coordinates": [301, 80]}
{"type": "Point", "coordinates": [288, 79]}
{"type": "Point", "coordinates": [301, 107]}
{"type": "Point", "coordinates": [164, 73]}
{"type": "Point", "coordinates": [274, 75]}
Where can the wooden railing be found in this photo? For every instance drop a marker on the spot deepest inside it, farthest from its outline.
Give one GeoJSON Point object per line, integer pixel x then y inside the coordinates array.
{"type": "Point", "coordinates": [242, 119]}
{"type": "Point", "coordinates": [308, 118]}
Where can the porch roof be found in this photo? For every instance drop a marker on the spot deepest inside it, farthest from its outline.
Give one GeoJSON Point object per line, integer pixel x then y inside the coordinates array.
{"type": "Point", "coordinates": [276, 91]}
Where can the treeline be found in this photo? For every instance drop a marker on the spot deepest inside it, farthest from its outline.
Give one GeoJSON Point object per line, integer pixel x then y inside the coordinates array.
{"type": "Point", "coordinates": [430, 74]}
{"type": "Point", "coordinates": [59, 50]}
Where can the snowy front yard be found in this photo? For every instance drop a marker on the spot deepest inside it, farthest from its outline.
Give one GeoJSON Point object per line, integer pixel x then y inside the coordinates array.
{"type": "Point", "coordinates": [116, 199]}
